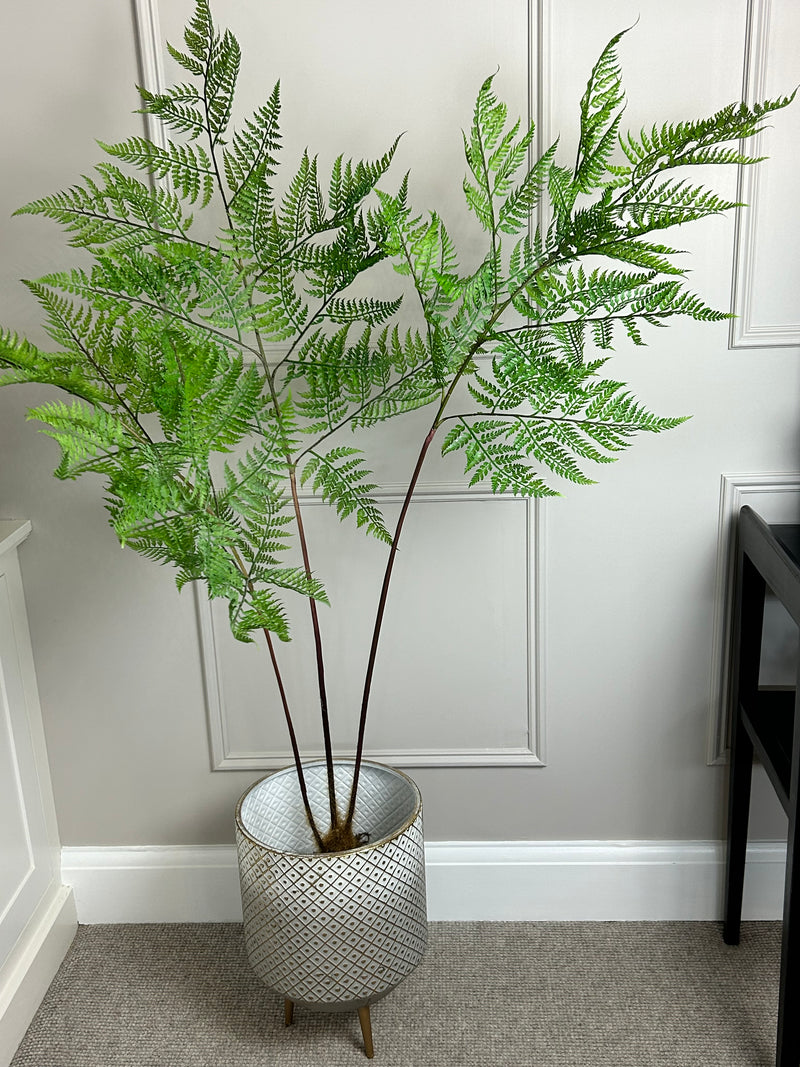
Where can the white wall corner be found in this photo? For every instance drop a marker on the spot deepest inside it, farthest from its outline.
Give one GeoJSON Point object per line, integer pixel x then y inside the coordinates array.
{"type": "Point", "coordinates": [467, 881]}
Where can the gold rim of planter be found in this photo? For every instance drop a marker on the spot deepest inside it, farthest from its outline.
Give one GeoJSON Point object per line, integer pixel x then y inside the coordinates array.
{"type": "Point", "coordinates": [345, 852]}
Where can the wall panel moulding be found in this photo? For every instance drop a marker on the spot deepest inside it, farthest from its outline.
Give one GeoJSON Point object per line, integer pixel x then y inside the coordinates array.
{"type": "Point", "coordinates": [454, 651]}
{"type": "Point", "coordinates": [766, 268]}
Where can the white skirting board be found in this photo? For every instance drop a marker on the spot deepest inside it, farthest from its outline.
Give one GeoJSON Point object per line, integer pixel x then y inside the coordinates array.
{"type": "Point", "coordinates": [32, 965]}
{"type": "Point", "coordinates": [476, 881]}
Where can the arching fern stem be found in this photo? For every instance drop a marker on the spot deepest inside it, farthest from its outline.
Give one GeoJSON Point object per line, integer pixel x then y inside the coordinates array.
{"type": "Point", "coordinates": [486, 333]}
{"type": "Point", "coordinates": [212, 141]}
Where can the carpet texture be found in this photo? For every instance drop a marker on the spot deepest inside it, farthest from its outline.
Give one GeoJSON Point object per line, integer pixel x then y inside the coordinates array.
{"type": "Point", "coordinates": [549, 994]}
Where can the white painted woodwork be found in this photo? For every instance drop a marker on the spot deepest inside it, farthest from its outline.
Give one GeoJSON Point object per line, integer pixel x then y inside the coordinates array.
{"type": "Point", "coordinates": [35, 917]}
{"type": "Point", "coordinates": [446, 615]}
{"type": "Point", "coordinates": [767, 268]}
{"type": "Point", "coordinates": [467, 881]}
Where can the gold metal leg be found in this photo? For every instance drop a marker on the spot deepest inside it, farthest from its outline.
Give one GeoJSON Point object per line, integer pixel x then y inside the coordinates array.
{"type": "Point", "coordinates": [288, 1011]}
{"type": "Point", "coordinates": [366, 1030]}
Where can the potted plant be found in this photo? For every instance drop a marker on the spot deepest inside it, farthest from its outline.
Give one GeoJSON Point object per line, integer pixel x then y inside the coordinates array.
{"type": "Point", "coordinates": [210, 377]}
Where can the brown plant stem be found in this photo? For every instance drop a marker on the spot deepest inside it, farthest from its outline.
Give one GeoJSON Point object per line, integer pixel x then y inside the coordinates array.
{"type": "Point", "coordinates": [387, 577]}
{"type": "Point", "coordinates": [376, 633]}
{"type": "Point", "coordinates": [287, 715]}
{"type": "Point", "coordinates": [306, 562]}
{"type": "Point", "coordinates": [323, 696]}
{"type": "Point", "coordinates": [293, 739]}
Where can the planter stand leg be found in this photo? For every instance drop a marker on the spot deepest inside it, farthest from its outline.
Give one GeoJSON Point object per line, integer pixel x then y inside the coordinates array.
{"type": "Point", "coordinates": [366, 1030]}
{"type": "Point", "coordinates": [363, 1018]}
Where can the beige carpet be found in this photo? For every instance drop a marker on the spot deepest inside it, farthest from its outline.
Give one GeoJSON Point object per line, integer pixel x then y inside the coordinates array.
{"type": "Point", "coordinates": [543, 994]}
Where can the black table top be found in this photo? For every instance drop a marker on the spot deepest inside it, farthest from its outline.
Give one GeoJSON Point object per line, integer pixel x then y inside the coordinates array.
{"type": "Point", "coordinates": [788, 534]}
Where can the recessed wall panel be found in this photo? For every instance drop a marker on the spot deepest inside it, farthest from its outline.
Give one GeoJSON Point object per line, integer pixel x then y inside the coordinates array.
{"type": "Point", "coordinates": [455, 669]}
{"type": "Point", "coordinates": [767, 267]}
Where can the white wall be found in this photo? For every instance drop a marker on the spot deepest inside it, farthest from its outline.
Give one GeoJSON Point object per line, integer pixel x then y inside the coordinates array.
{"type": "Point", "coordinates": [609, 677]}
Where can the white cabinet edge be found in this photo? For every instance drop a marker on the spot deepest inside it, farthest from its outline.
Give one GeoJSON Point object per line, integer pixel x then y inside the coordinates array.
{"type": "Point", "coordinates": [26, 975]}
{"type": "Point", "coordinates": [12, 533]}
{"type": "Point", "coordinates": [28, 968]}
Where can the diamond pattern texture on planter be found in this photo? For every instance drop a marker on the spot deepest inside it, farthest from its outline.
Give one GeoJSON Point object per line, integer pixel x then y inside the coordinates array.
{"type": "Point", "coordinates": [340, 929]}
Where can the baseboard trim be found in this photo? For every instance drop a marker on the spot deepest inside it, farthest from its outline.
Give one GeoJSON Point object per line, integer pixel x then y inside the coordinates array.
{"type": "Point", "coordinates": [32, 965]}
{"type": "Point", "coordinates": [478, 881]}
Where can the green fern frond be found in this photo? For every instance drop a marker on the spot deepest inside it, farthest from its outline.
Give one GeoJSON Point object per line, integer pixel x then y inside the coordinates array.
{"type": "Point", "coordinates": [264, 612]}
{"type": "Point", "coordinates": [322, 402]}
{"type": "Point", "coordinates": [479, 203]}
{"type": "Point", "coordinates": [368, 310]}
{"type": "Point", "coordinates": [294, 579]}
{"type": "Point", "coordinates": [284, 312]}
{"type": "Point", "coordinates": [199, 33]}
{"type": "Point", "coordinates": [251, 155]}
{"type": "Point", "coordinates": [571, 291]}
{"type": "Point", "coordinates": [652, 257]}
{"type": "Point", "coordinates": [601, 112]}
{"type": "Point", "coordinates": [21, 361]}
{"type": "Point", "coordinates": [515, 211]}
{"type": "Point", "coordinates": [176, 108]}
{"type": "Point", "coordinates": [122, 212]}
{"type": "Point", "coordinates": [416, 389]}
{"type": "Point", "coordinates": [187, 166]}
{"type": "Point", "coordinates": [490, 456]}
{"type": "Point", "coordinates": [571, 338]}
{"type": "Point", "coordinates": [81, 432]}
{"type": "Point", "coordinates": [188, 62]}
{"type": "Point", "coordinates": [76, 327]}
{"type": "Point", "coordinates": [657, 205]}
{"type": "Point", "coordinates": [488, 121]}
{"type": "Point", "coordinates": [339, 476]}
{"type": "Point", "coordinates": [222, 71]}
{"type": "Point", "coordinates": [612, 404]}
{"type": "Point", "coordinates": [227, 412]}
{"type": "Point", "coordinates": [352, 182]}
{"type": "Point", "coordinates": [563, 191]}
{"type": "Point", "coordinates": [508, 157]}
{"type": "Point", "coordinates": [534, 439]}
{"type": "Point", "coordinates": [687, 143]}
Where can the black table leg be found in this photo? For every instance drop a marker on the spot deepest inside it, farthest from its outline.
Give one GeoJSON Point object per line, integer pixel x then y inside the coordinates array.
{"type": "Point", "coordinates": [748, 626]}
{"type": "Point", "coordinates": [747, 649]}
{"type": "Point", "coordinates": [788, 1051]}
{"type": "Point", "coordinates": [741, 774]}
{"type": "Point", "coordinates": [767, 723]}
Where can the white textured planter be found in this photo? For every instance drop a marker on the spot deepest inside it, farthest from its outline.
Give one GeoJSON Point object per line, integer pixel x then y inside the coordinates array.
{"type": "Point", "coordinates": [333, 931]}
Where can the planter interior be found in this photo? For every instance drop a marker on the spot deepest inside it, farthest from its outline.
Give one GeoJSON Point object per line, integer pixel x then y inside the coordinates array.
{"type": "Point", "coordinates": [272, 811]}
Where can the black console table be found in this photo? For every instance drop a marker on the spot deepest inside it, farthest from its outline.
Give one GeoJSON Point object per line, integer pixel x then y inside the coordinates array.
{"type": "Point", "coordinates": [763, 724]}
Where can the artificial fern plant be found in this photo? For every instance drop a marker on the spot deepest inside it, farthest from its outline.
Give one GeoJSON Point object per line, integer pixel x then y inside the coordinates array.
{"type": "Point", "coordinates": [165, 343]}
